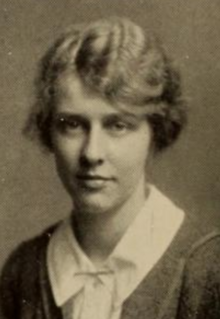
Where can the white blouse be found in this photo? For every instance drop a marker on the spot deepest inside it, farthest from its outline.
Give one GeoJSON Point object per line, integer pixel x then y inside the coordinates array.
{"type": "Point", "coordinates": [85, 292]}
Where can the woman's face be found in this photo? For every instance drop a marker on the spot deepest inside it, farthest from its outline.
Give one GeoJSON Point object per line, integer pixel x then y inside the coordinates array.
{"type": "Point", "coordinates": [100, 151]}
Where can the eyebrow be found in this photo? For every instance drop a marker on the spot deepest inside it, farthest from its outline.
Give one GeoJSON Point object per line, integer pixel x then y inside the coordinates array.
{"type": "Point", "coordinates": [114, 116]}
{"type": "Point", "coordinates": [127, 116]}
{"type": "Point", "coordinates": [68, 115]}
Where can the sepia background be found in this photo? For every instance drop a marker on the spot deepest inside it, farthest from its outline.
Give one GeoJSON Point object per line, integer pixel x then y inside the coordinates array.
{"type": "Point", "coordinates": [31, 196]}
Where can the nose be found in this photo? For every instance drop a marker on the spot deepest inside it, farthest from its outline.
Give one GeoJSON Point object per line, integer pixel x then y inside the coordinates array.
{"type": "Point", "coordinates": [92, 153]}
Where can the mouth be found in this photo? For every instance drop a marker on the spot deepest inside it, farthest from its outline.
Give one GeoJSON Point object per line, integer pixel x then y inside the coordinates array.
{"type": "Point", "coordinates": [92, 177]}
{"type": "Point", "coordinates": [94, 182]}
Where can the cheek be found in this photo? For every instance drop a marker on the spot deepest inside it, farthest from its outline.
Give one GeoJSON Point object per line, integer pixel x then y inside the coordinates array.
{"type": "Point", "coordinates": [66, 152]}
{"type": "Point", "coordinates": [132, 155]}
{"type": "Point", "coordinates": [66, 167]}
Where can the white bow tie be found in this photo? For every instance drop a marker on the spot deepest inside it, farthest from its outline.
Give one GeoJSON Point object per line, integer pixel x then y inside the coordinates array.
{"type": "Point", "coordinates": [80, 280]}
{"type": "Point", "coordinates": [91, 287]}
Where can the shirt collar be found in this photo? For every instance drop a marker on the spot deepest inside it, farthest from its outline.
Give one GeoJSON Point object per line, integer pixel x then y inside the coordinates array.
{"type": "Point", "coordinates": [138, 251]}
{"type": "Point", "coordinates": [65, 259]}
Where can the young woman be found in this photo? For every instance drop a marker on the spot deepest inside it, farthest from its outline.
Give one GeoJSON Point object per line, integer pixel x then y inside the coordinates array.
{"type": "Point", "coordinates": [108, 99]}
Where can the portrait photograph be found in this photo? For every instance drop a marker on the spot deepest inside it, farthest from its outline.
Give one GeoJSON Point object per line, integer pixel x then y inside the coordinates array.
{"type": "Point", "coordinates": [110, 159]}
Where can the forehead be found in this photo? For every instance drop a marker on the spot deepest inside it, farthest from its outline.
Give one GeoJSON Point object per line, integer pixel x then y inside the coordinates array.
{"type": "Point", "coordinates": [74, 97]}
{"type": "Point", "coordinates": [70, 89]}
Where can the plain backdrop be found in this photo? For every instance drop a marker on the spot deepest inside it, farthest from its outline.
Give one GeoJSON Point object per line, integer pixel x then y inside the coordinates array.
{"type": "Point", "coordinates": [31, 196]}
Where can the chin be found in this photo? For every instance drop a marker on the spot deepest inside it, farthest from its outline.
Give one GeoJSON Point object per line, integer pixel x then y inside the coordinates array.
{"type": "Point", "coordinates": [91, 206]}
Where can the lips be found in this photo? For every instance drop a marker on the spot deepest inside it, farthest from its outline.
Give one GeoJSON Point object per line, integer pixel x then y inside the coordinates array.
{"type": "Point", "coordinates": [91, 177]}
{"type": "Point", "coordinates": [91, 181]}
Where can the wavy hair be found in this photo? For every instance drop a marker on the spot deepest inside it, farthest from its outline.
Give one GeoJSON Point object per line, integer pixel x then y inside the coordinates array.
{"type": "Point", "coordinates": [121, 62]}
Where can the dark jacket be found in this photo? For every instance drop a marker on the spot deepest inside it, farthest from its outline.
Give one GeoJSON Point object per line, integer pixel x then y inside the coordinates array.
{"type": "Point", "coordinates": [184, 284]}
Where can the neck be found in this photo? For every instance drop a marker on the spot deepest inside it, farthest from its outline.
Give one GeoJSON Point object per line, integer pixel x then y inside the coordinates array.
{"type": "Point", "coordinates": [98, 234]}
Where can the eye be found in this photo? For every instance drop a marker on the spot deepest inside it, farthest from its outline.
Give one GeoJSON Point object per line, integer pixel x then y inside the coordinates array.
{"type": "Point", "coordinates": [70, 123]}
{"type": "Point", "coordinates": [119, 126]}
{"type": "Point", "coordinates": [66, 124]}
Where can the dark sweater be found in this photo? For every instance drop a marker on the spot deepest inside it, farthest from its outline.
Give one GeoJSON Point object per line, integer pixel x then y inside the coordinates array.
{"type": "Point", "coordinates": [184, 284]}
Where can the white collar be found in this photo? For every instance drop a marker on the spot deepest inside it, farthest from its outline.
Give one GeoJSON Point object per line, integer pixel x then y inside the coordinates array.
{"type": "Point", "coordinates": [138, 251]}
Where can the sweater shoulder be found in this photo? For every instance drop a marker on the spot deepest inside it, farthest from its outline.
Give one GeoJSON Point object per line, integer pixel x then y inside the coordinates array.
{"type": "Point", "coordinates": [202, 261]}
{"type": "Point", "coordinates": [21, 272]}
{"type": "Point", "coordinates": [21, 277]}
{"type": "Point", "coordinates": [27, 252]}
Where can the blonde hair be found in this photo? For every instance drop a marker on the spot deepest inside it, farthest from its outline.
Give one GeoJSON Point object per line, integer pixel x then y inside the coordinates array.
{"type": "Point", "coordinates": [115, 58]}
